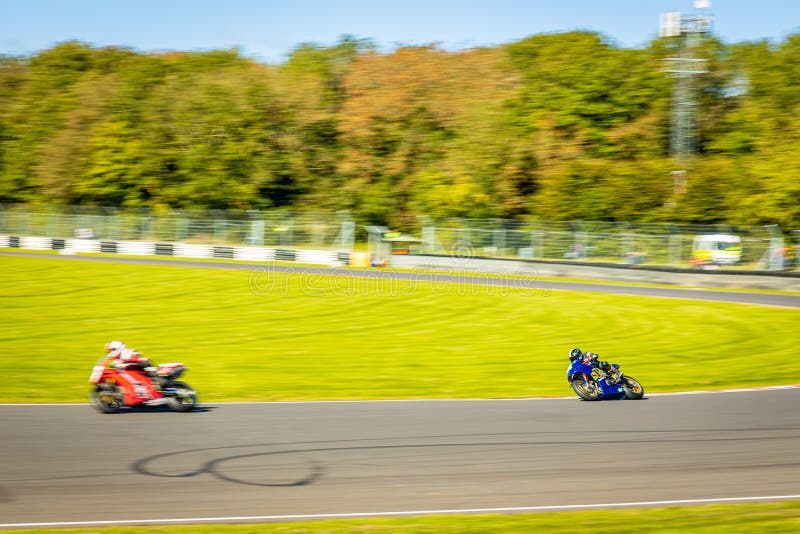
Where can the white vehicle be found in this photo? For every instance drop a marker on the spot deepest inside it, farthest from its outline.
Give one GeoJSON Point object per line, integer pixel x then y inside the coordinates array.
{"type": "Point", "coordinates": [716, 249]}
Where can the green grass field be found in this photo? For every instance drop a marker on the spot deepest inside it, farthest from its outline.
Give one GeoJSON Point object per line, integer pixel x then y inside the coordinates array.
{"type": "Point", "coordinates": [279, 337]}
{"type": "Point", "coordinates": [775, 517]}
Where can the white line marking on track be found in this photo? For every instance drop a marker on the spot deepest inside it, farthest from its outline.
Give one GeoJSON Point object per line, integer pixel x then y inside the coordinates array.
{"type": "Point", "coordinates": [569, 397]}
{"type": "Point", "coordinates": [562, 507]}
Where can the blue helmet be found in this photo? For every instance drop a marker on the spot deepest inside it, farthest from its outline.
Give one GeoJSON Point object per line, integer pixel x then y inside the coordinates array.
{"type": "Point", "coordinates": [575, 354]}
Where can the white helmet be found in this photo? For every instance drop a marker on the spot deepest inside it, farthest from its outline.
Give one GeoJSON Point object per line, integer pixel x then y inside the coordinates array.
{"type": "Point", "coordinates": [114, 345]}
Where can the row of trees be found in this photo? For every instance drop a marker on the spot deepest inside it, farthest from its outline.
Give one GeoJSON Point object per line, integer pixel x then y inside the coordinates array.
{"type": "Point", "coordinates": [557, 126]}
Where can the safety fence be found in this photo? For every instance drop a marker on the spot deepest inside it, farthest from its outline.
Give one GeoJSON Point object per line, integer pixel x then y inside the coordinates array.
{"type": "Point", "coordinates": [674, 245]}
{"type": "Point", "coordinates": [252, 228]}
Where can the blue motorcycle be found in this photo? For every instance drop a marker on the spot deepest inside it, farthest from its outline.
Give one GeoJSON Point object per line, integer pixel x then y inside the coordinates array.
{"type": "Point", "coordinates": [591, 382]}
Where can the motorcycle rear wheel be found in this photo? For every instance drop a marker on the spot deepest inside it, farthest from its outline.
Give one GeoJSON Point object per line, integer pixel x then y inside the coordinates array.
{"type": "Point", "coordinates": [586, 390]}
{"type": "Point", "coordinates": [632, 388]}
{"type": "Point", "coordinates": [185, 400]}
{"type": "Point", "coordinates": [106, 398]}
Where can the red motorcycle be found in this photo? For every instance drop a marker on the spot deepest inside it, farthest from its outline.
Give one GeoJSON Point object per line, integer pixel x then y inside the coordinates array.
{"type": "Point", "coordinates": [117, 388]}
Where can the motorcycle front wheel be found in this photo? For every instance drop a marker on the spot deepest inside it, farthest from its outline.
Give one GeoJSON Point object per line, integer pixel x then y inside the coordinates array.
{"type": "Point", "coordinates": [106, 398]}
{"type": "Point", "coordinates": [586, 390]}
{"type": "Point", "coordinates": [185, 398]}
{"type": "Point", "coordinates": [632, 388]}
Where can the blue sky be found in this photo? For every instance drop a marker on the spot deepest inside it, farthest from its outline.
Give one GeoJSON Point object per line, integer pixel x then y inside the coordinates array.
{"type": "Point", "coordinates": [269, 29]}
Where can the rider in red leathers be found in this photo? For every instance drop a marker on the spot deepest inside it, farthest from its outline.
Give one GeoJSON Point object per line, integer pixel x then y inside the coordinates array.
{"type": "Point", "coordinates": [125, 359]}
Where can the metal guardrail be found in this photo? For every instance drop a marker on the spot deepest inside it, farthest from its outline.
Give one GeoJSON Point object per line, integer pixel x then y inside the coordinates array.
{"type": "Point", "coordinates": [762, 247]}
{"type": "Point", "coordinates": [254, 228]}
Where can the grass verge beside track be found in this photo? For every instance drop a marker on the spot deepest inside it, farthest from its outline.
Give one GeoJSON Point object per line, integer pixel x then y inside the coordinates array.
{"type": "Point", "coordinates": [466, 272]}
{"type": "Point", "coordinates": [774, 517]}
{"type": "Point", "coordinates": [271, 336]}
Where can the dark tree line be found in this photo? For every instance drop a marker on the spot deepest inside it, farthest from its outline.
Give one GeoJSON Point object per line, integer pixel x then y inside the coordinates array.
{"type": "Point", "coordinates": [563, 126]}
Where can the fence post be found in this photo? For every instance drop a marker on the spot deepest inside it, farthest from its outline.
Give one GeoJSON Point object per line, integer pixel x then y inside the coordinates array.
{"type": "Point", "coordinates": [348, 236]}
{"type": "Point", "coordinates": [499, 240]}
{"type": "Point", "coordinates": [52, 225]}
{"type": "Point", "coordinates": [219, 228]}
{"type": "Point", "coordinates": [428, 234]}
{"type": "Point", "coordinates": [775, 261]}
{"type": "Point", "coordinates": [115, 224]}
{"type": "Point", "coordinates": [347, 231]}
{"type": "Point", "coordinates": [628, 246]}
{"type": "Point", "coordinates": [580, 238]}
{"type": "Point", "coordinates": [146, 227]}
{"type": "Point", "coordinates": [27, 224]}
{"type": "Point", "coordinates": [181, 226]}
{"type": "Point", "coordinates": [796, 248]}
{"type": "Point", "coordinates": [315, 229]}
{"type": "Point", "coordinates": [537, 244]}
{"type": "Point", "coordinates": [675, 243]}
{"type": "Point", "coordinates": [256, 228]}
{"type": "Point", "coordinates": [462, 238]}
{"type": "Point", "coordinates": [428, 239]}
{"type": "Point", "coordinates": [287, 231]}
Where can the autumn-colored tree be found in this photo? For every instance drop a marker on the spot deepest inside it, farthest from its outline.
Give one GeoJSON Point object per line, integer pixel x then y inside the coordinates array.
{"type": "Point", "coordinates": [554, 127]}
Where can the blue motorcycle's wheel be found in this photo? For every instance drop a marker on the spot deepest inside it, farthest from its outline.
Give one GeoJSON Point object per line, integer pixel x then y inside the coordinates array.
{"type": "Point", "coordinates": [589, 391]}
{"type": "Point", "coordinates": [632, 388]}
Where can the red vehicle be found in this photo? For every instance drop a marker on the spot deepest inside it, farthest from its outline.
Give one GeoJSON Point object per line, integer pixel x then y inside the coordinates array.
{"type": "Point", "coordinates": [116, 388]}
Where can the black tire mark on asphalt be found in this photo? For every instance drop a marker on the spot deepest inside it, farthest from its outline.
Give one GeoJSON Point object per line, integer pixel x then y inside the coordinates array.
{"type": "Point", "coordinates": [316, 469]}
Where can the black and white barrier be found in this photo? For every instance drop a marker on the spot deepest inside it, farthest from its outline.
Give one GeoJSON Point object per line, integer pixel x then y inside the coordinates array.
{"type": "Point", "coordinates": [178, 250]}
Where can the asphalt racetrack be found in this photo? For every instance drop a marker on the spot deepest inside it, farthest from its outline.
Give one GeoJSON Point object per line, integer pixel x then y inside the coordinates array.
{"type": "Point", "coordinates": [66, 465]}
{"type": "Point", "coordinates": [525, 281]}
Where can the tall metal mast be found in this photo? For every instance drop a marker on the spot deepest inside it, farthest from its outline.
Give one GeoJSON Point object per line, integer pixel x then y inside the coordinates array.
{"type": "Point", "coordinates": [689, 31]}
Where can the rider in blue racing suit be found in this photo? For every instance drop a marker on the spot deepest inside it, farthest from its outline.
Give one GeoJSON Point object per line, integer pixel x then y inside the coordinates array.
{"type": "Point", "coordinates": [589, 358]}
